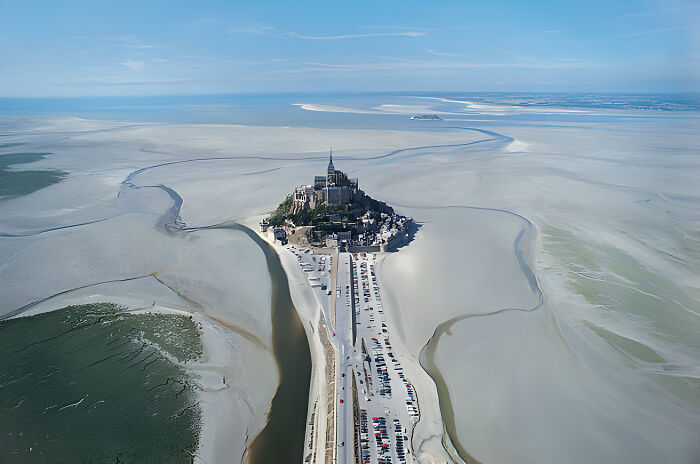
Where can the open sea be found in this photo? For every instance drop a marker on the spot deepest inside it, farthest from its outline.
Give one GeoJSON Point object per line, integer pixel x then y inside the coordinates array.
{"type": "Point", "coordinates": [283, 110]}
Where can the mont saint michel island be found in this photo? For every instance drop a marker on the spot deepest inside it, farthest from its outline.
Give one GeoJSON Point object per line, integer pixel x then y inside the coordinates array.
{"type": "Point", "coordinates": [335, 212]}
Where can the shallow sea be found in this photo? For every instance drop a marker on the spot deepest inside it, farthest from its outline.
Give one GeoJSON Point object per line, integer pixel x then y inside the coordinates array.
{"type": "Point", "coordinates": [92, 384]}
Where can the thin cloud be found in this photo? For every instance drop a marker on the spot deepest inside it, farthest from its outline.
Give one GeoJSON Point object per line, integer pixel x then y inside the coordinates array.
{"type": "Point", "coordinates": [403, 28]}
{"type": "Point", "coordinates": [651, 31]}
{"type": "Point", "coordinates": [554, 60]}
{"type": "Point", "coordinates": [253, 30]}
{"type": "Point", "coordinates": [122, 81]}
{"type": "Point", "coordinates": [395, 64]}
{"type": "Point", "coordinates": [135, 66]}
{"type": "Point", "coordinates": [412, 28]}
{"type": "Point", "coordinates": [433, 52]}
{"type": "Point", "coordinates": [356, 36]}
{"type": "Point", "coordinates": [139, 46]}
{"type": "Point", "coordinates": [272, 31]}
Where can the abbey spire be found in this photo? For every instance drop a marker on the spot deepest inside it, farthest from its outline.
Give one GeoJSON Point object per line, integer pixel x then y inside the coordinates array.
{"type": "Point", "coordinates": [330, 163]}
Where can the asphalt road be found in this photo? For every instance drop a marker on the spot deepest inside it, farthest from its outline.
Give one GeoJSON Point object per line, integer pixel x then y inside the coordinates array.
{"type": "Point", "coordinates": [355, 284]}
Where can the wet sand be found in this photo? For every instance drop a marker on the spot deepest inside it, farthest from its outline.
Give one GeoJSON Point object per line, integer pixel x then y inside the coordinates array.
{"type": "Point", "coordinates": [613, 345]}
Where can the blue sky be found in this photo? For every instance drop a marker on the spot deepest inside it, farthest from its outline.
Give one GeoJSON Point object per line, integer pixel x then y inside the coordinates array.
{"type": "Point", "coordinates": [88, 48]}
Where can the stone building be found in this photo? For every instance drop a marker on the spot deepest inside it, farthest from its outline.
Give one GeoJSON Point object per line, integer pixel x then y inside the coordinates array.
{"type": "Point", "coordinates": [331, 240]}
{"type": "Point", "coordinates": [333, 189]}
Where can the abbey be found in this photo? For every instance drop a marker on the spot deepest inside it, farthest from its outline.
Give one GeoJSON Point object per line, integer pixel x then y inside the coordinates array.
{"type": "Point", "coordinates": [333, 189]}
{"type": "Point", "coordinates": [334, 212]}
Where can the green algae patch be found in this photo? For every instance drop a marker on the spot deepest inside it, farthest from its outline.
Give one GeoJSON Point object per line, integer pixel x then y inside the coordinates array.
{"type": "Point", "coordinates": [90, 383]}
{"type": "Point", "coordinates": [626, 345]}
{"type": "Point", "coordinates": [14, 183]}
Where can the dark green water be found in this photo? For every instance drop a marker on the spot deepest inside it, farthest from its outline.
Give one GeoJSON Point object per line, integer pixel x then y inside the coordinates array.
{"type": "Point", "coordinates": [18, 183]}
{"type": "Point", "coordinates": [89, 384]}
{"type": "Point", "coordinates": [282, 439]}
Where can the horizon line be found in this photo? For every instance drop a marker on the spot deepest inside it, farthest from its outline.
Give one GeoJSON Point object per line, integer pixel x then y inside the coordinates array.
{"type": "Point", "coordinates": [407, 93]}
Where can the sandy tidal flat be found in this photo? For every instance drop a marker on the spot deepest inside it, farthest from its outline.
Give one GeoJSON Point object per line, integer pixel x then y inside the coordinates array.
{"type": "Point", "coordinates": [573, 342]}
{"type": "Point", "coordinates": [142, 220]}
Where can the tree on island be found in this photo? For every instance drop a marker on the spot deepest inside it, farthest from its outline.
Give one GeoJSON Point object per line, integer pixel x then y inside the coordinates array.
{"type": "Point", "coordinates": [312, 216]}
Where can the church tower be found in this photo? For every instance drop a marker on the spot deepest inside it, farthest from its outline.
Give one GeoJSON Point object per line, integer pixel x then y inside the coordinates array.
{"type": "Point", "coordinates": [330, 176]}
